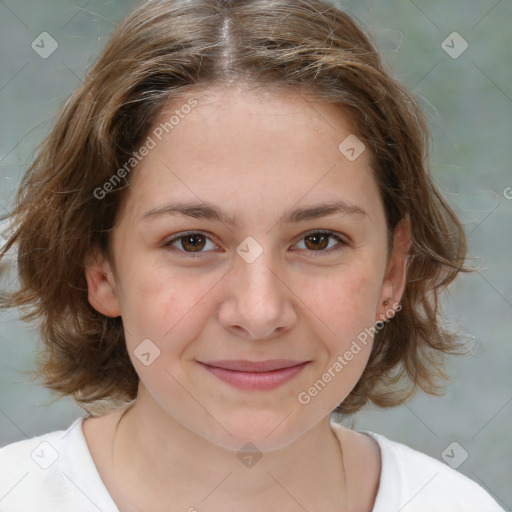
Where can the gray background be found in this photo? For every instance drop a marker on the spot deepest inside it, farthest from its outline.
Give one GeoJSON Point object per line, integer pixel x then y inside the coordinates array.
{"type": "Point", "coordinates": [469, 106]}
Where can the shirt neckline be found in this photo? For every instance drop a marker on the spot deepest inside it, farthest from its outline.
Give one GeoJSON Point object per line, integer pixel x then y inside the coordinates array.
{"type": "Point", "coordinates": [91, 483]}
{"type": "Point", "coordinates": [388, 491]}
{"type": "Point", "coordinates": [94, 485]}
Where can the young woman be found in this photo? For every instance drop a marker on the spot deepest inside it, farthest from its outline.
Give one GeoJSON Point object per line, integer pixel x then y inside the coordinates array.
{"type": "Point", "coordinates": [230, 233]}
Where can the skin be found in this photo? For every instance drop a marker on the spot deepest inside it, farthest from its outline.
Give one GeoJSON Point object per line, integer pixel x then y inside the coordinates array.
{"type": "Point", "coordinates": [256, 156]}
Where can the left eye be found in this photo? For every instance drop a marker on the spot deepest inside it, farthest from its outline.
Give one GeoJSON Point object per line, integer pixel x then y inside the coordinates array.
{"type": "Point", "coordinates": [320, 240]}
{"type": "Point", "coordinates": [194, 242]}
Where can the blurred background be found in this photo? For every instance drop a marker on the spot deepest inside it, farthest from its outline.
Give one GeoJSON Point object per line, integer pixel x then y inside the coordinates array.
{"type": "Point", "coordinates": [456, 56]}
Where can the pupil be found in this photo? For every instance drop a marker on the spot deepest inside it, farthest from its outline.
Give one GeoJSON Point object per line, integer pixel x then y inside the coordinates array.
{"type": "Point", "coordinates": [316, 238]}
{"type": "Point", "coordinates": [192, 240]}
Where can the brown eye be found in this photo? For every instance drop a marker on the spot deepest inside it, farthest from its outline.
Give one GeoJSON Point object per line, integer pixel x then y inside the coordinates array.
{"type": "Point", "coordinates": [189, 244]}
{"type": "Point", "coordinates": [317, 243]}
{"type": "Point", "coordinates": [320, 241]}
{"type": "Point", "coordinates": [193, 243]}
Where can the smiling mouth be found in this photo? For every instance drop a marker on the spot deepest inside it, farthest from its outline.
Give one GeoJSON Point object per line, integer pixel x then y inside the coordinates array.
{"type": "Point", "coordinates": [255, 375]}
{"type": "Point", "coordinates": [242, 365]}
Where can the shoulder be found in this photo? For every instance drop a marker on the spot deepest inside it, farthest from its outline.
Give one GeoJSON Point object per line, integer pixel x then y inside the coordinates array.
{"type": "Point", "coordinates": [418, 482]}
{"type": "Point", "coordinates": [36, 452]}
{"type": "Point", "coordinates": [47, 473]}
{"type": "Point", "coordinates": [28, 468]}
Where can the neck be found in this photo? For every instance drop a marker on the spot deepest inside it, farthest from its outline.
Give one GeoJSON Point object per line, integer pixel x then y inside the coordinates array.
{"type": "Point", "coordinates": [163, 462]}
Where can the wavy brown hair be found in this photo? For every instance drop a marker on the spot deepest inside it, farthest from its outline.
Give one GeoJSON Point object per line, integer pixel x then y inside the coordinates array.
{"type": "Point", "coordinates": [168, 48]}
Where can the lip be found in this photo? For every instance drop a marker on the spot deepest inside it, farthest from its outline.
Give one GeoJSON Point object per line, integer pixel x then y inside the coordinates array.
{"type": "Point", "coordinates": [252, 375]}
{"type": "Point", "coordinates": [243, 365]}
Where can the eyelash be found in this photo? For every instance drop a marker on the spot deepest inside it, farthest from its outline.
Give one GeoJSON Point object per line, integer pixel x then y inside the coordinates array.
{"type": "Point", "coordinates": [330, 234]}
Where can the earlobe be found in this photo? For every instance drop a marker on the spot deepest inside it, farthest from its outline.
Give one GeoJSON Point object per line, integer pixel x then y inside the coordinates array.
{"type": "Point", "coordinates": [396, 273]}
{"type": "Point", "coordinates": [102, 292]}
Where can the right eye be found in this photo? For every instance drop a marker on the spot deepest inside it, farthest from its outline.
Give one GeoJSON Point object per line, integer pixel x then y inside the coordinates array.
{"type": "Point", "coordinates": [191, 242]}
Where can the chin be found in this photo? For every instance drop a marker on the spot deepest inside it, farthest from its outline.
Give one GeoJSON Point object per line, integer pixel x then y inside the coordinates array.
{"type": "Point", "coordinates": [265, 431]}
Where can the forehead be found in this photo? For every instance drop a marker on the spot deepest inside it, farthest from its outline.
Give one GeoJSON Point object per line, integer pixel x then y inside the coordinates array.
{"type": "Point", "coordinates": [251, 151]}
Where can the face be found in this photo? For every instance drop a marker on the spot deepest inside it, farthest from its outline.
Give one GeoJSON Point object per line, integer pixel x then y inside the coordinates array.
{"type": "Point", "coordinates": [241, 312]}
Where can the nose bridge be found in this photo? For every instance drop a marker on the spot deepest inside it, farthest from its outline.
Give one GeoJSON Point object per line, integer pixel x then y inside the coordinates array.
{"type": "Point", "coordinates": [258, 300]}
{"type": "Point", "coordinates": [255, 272]}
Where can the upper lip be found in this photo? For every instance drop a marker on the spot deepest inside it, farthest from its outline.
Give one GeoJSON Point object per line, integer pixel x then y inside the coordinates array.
{"type": "Point", "coordinates": [243, 365]}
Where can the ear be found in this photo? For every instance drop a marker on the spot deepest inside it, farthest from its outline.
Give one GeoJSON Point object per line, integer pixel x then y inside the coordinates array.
{"type": "Point", "coordinates": [395, 279]}
{"type": "Point", "coordinates": [101, 284]}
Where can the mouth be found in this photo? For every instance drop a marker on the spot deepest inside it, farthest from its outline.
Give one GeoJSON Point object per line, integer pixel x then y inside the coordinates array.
{"type": "Point", "coordinates": [254, 375]}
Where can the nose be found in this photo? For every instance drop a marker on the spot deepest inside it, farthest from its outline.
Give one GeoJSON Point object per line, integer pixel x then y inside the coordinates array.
{"type": "Point", "coordinates": [257, 302]}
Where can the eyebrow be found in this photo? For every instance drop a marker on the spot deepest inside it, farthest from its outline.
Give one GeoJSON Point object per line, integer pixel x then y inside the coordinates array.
{"type": "Point", "coordinates": [211, 212]}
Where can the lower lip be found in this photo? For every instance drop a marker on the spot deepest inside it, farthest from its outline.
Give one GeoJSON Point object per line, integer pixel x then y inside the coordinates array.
{"type": "Point", "coordinates": [255, 380]}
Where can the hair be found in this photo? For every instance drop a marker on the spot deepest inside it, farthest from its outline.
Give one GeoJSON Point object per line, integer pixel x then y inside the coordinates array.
{"type": "Point", "coordinates": [166, 49]}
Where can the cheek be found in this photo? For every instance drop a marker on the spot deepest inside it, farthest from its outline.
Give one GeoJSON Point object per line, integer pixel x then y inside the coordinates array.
{"type": "Point", "coordinates": [163, 310]}
{"type": "Point", "coordinates": [345, 299]}
{"type": "Point", "coordinates": [164, 304]}
{"type": "Point", "coordinates": [342, 305]}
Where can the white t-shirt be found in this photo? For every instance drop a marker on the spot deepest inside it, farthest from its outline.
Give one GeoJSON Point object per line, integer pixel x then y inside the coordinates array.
{"type": "Point", "coordinates": [56, 473]}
